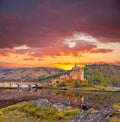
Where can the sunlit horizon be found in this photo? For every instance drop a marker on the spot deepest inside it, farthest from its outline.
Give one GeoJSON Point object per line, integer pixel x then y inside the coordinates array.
{"type": "Point", "coordinates": [59, 34]}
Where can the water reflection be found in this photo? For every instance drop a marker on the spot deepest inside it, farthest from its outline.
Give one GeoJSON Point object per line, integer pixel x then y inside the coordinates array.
{"type": "Point", "coordinates": [27, 89]}
{"type": "Point", "coordinates": [72, 98]}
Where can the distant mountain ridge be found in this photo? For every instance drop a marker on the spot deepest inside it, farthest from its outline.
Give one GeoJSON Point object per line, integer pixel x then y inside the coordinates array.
{"type": "Point", "coordinates": [26, 74]}
{"type": "Point", "coordinates": [103, 74]}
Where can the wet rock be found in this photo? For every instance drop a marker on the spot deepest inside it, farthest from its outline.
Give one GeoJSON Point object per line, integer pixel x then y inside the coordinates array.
{"type": "Point", "coordinates": [42, 104]}
{"type": "Point", "coordinates": [100, 116]}
{"type": "Point", "coordinates": [68, 107]}
{"type": "Point", "coordinates": [45, 104]}
{"type": "Point", "coordinates": [59, 106]}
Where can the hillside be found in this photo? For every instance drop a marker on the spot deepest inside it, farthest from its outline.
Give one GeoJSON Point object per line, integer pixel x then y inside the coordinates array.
{"type": "Point", "coordinates": [107, 75]}
{"type": "Point", "coordinates": [103, 74]}
{"type": "Point", "coordinates": [49, 78]}
{"type": "Point", "coordinates": [27, 74]}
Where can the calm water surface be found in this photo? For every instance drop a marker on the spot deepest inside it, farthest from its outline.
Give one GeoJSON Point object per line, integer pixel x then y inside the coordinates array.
{"type": "Point", "coordinates": [72, 98]}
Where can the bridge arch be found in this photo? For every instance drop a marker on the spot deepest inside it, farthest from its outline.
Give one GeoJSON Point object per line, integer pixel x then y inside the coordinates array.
{"type": "Point", "coordinates": [19, 84]}
{"type": "Point", "coordinates": [25, 85]}
{"type": "Point", "coordinates": [15, 85]}
{"type": "Point", "coordinates": [34, 86]}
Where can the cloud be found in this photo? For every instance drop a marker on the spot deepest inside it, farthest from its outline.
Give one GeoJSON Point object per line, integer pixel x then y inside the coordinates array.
{"type": "Point", "coordinates": [40, 59]}
{"type": "Point", "coordinates": [85, 63]}
{"type": "Point", "coordinates": [7, 65]}
{"type": "Point", "coordinates": [4, 52]}
{"type": "Point", "coordinates": [43, 23]}
{"type": "Point", "coordinates": [117, 62]}
{"type": "Point", "coordinates": [8, 52]}
{"type": "Point", "coordinates": [12, 65]}
{"type": "Point", "coordinates": [55, 28]}
{"type": "Point", "coordinates": [101, 51]}
{"type": "Point", "coordinates": [57, 49]}
{"type": "Point", "coordinates": [28, 59]}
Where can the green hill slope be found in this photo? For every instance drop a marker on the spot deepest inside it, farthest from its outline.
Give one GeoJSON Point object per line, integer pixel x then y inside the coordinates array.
{"type": "Point", "coordinates": [47, 79]}
{"type": "Point", "coordinates": [103, 74]}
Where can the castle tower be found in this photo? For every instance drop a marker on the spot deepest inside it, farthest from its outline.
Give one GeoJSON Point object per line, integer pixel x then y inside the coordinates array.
{"type": "Point", "coordinates": [77, 73]}
{"type": "Point", "coordinates": [82, 75]}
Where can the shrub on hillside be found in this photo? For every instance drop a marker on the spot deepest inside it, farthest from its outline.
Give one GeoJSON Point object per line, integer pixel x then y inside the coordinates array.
{"type": "Point", "coordinates": [77, 83]}
{"type": "Point", "coordinates": [62, 84]}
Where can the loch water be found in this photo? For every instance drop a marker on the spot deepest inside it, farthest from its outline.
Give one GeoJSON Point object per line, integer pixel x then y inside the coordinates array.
{"type": "Point", "coordinates": [70, 98]}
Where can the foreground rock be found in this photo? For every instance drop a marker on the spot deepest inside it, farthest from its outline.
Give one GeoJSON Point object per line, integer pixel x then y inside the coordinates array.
{"type": "Point", "coordinates": [45, 104]}
{"type": "Point", "coordinates": [101, 116]}
{"type": "Point", "coordinates": [42, 103]}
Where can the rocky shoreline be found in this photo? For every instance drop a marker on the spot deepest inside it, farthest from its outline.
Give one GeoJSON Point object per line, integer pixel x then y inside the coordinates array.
{"type": "Point", "coordinates": [89, 115]}
{"type": "Point", "coordinates": [60, 100]}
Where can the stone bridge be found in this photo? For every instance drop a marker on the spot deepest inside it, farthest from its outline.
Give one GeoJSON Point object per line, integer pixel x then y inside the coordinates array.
{"type": "Point", "coordinates": [13, 84]}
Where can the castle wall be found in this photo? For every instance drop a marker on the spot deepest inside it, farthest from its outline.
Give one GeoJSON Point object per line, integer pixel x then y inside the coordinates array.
{"type": "Point", "coordinates": [76, 73]}
{"type": "Point", "coordinates": [79, 74]}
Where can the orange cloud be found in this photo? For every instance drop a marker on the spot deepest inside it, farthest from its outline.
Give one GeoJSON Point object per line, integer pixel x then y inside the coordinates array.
{"type": "Point", "coordinates": [27, 59]}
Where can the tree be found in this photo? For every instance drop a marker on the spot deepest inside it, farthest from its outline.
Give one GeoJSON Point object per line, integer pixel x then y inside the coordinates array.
{"type": "Point", "coordinates": [62, 84]}
{"type": "Point", "coordinates": [77, 83]}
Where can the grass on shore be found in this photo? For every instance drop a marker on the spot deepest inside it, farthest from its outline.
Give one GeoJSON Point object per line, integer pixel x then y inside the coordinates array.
{"type": "Point", "coordinates": [83, 87]}
{"type": "Point", "coordinates": [26, 112]}
{"type": "Point", "coordinates": [116, 118]}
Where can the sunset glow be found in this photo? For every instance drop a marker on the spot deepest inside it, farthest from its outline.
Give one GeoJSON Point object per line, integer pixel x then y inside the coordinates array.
{"type": "Point", "coordinates": [59, 34]}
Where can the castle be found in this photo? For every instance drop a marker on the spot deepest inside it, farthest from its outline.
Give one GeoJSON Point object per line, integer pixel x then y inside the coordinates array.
{"type": "Point", "coordinates": [76, 73]}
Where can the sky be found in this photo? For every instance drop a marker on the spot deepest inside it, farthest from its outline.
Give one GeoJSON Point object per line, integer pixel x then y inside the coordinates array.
{"type": "Point", "coordinates": [59, 33]}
